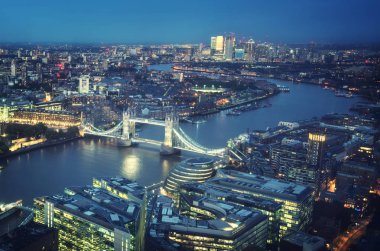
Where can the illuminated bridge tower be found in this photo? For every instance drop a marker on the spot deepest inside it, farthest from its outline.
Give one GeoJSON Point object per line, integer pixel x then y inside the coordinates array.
{"type": "Point", "coordinates": [128, 131]}
{"type": "Point", "coordinates": [171, 123]}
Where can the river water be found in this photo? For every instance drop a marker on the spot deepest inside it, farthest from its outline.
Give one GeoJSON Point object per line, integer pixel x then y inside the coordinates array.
{"type": "Point", "coordinates": [48, 171]}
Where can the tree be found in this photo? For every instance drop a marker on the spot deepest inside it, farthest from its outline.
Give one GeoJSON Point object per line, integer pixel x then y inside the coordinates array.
{"type": "Point", "coordinates": [52, 134]}
{"type": "Point", "coordinates": [72, 132]}
{"type": "Point", "coordinates": [3, 147]}
{"type": "Point", "coordinates": [40, 129]}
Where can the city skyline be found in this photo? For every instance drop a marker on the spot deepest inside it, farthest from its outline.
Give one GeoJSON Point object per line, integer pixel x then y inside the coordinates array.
{"type": "Point", "coordinates": [132, 22]}
{"type": "Point", "coordinates": [216, 125]}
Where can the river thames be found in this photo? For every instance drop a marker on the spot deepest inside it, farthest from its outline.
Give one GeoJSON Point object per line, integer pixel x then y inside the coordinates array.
{"type": "Point", "coordinates": [48, 171]}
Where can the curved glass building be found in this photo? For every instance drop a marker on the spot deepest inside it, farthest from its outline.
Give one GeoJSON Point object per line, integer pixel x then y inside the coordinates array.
{"type": "Point", "coordinates": [191, 170]}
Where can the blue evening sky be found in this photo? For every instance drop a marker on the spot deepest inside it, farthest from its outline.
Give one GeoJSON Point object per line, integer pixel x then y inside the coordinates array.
{"type": "Point", "coordinates": [191, 21]}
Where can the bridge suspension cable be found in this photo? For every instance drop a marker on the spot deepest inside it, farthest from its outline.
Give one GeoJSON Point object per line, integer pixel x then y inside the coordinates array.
{"type": "Point", "coordinates": [188, 142]}
{"type": "Point", "coordinates": [93, 130]}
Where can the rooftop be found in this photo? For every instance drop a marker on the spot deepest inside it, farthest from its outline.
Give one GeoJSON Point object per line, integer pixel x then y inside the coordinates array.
{"type": "Point", "coordinates": [96, 205]}
{"type": "Point", "coordinates": [301, 238]}
{"type": "Point", "coordinates": [209, 189]}
{"type": "Point", "coordinates": [231, 219]}
{"type": "Point", "coordinates": [13, 218]}
{"type": "Point", "coordinates": [199, 161]}
{"type": "Point", "coordinates": [260, 184]}
{"type": "Point", "coordinates": [124, 185]}
{"type": "Point", "coordinates": [25, 235]}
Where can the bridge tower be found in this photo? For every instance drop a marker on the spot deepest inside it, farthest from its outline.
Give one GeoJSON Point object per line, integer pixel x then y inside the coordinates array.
{"type": "Point", "coordinates": [171, 123]}
{"type": "Point", "coordinates": [129, 129]}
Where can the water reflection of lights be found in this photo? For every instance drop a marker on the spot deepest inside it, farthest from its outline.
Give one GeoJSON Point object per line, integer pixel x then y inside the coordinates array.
{"type": "Point", "coordinates": [131, 167]}
{"type": "Point", "coordinates": [165, 167]}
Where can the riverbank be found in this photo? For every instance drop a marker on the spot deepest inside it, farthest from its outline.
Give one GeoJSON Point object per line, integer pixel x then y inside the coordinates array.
{"type": "Point", "coordinates": [239, 104]}
{"type": "Point", "coordinates": [268, 76]}
{"type": "Point", "coordinates": [49, 171]}
{"type": "Point", "coordinates": [250, 101]}
{"type": "Point", "coordinates": [37, 147]}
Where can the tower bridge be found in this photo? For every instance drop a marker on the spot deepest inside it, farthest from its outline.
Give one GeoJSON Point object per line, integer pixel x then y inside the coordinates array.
{"type": "Point", "coordinates": [175, 139]}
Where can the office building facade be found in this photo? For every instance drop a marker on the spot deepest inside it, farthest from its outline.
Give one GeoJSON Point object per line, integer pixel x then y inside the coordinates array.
{"type": "Point", "coordinates": [229, 47]}
{"type": "Point", "coordinates": [89, 219]}
{"type": "Point", "coordinates": [296, 199]}
{"type": "Point", "coordinates": [84, 84]}
{"type": "Point", "coordinates": [196, 170]}
{"type": "Point", "coordinates": [227, 226]}
{"type": "Point", "coordinates": [271, 209]}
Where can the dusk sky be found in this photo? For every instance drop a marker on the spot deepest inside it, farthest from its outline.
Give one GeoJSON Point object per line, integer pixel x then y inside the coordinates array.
{"type": "Point", "coordinates": [175, 21]}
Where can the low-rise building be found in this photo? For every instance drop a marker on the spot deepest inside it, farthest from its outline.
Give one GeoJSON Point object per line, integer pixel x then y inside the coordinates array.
{"type": "Point", "coordinates": [229, 227]}
{"type": "Point", "coordinates": [296, 199]}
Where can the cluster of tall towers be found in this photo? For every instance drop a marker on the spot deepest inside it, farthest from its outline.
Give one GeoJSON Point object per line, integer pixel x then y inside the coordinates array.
{"type": "Point", "coordinates": [227, 47]}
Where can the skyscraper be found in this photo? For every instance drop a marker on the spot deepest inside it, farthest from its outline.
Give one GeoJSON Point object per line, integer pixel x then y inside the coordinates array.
{"type": "Point", "coordinates": [229, 46]}
{"type": "Point", "coordinates": [315, 148]}
{"type": "Point", "coordinates": [219, 45]}
{"type": "Point", "coordinates": [213, 43]}
{"type": "Point", "coordinates": [39, 71]}
{"type": "Point", "coordinates": [314, 159]}
{"type": "Point", "coordinates": [84, 84]}
{"type": "Point", "coordinates": [24, 74]}
{"type": "Point", "coordinates": [13, 68]}
{"type": "Point", "coordinates": [296, 164]}
{"type": "Point", "coordinates": [249, 49]}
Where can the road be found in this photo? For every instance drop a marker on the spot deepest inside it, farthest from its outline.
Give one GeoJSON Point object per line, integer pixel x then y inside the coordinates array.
{"type": "Point", "coordinates": [344, 241]}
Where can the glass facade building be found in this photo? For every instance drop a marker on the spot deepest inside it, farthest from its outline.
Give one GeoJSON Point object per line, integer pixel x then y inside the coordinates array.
{"type": "Point", "coordinates": [301, 163]}
{"type": "Point", "coordinates": [121, 187]}
{"type": "Point", "coordinates": [224, 226]}
{"type": "Point", "coordinates": [296, 200]}
{"type": "Point", "coordinates": [271, 209]}
{"type": "Point", "coordinates": [195, 170]}
{"type": "Point", "coordinates": [89, 219]}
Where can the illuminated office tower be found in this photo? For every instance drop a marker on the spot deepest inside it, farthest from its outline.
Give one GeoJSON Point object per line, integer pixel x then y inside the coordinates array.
{"type": "Point", "coordinates": [229, 46]}
{"type": "Point", "coordinates": [213, 43]}
{"type": "Point", "coordinates": [219, 45]}
{"type": "Point", "coordinates": [13, 68]}
{"type": "Point", "coordinates": [89, 219]}
{"type": "Point", "coordinates": [84, 84]}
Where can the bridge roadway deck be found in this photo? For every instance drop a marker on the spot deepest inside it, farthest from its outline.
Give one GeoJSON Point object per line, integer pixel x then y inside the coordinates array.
{"type": "Point", "coordinates": [148, 121]}
{"type": "Point", "coordinates": [148, 141]}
